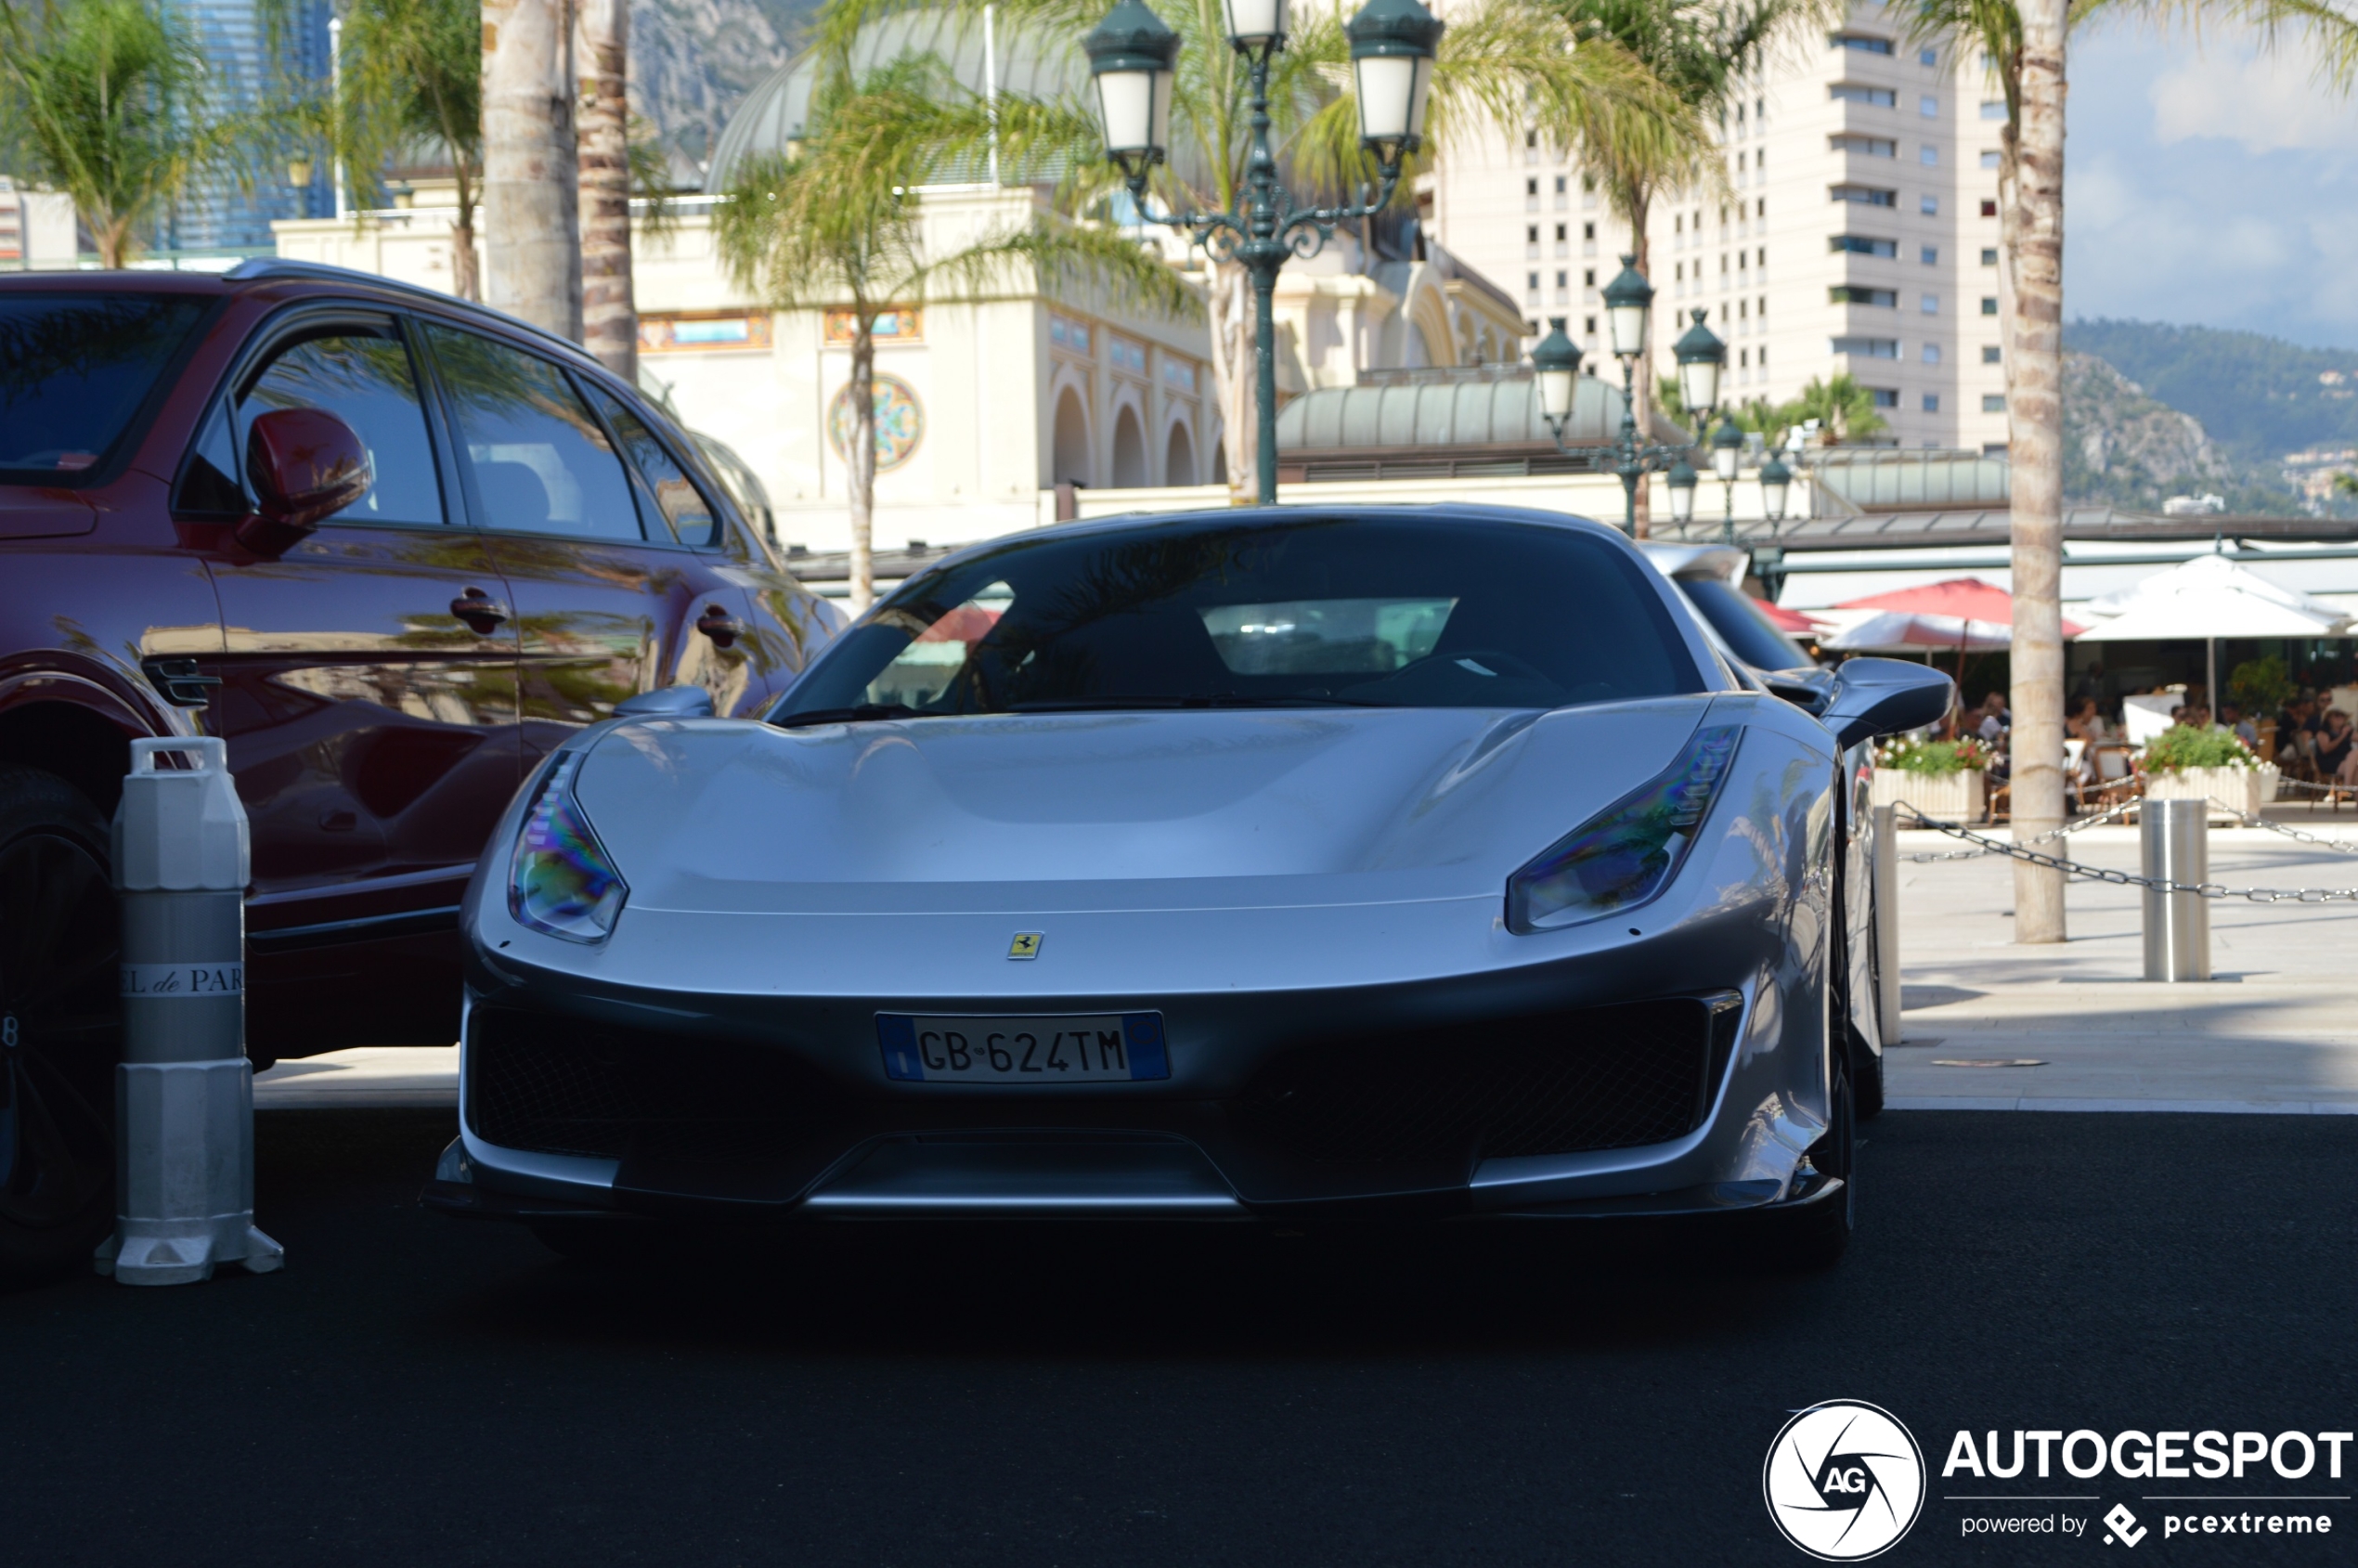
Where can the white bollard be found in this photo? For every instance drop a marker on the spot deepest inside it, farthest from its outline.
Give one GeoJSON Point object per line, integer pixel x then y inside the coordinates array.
{"type": "Point", "coordinates": [1886, 879]}
{"type": "Point", "coordinates": [184, 1093]}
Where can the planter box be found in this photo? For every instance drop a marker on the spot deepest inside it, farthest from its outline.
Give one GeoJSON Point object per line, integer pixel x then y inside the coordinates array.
{"type": "Point", "coordinates": [1948, 798]}
{"type": "Point", "coordinates": [2246, 789]}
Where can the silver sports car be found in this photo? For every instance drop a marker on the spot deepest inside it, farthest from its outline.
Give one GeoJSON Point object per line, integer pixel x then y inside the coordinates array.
{"type": "Point", "coordinates": [1252, 864]}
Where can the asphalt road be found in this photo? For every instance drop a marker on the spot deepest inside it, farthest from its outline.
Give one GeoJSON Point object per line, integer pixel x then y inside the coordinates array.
{"type": "Point", "coordinates": [414, 1390]}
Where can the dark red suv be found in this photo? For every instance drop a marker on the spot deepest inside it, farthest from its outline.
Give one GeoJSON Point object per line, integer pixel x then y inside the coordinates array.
{"type": "Point", "coordinates": [534, 544]}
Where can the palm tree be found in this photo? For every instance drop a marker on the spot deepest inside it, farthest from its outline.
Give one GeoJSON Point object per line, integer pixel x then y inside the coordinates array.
{"type": "Point", "coordinates": [412, 72]}
{"type": "Point", "coordinates": [609, 314]}
{"type": "Point", "coordinates": [1700, 54]}
{"type": "Point", "coordinates": [835, 221]}
{"type": "Point", "coordinates": [1502, 62]}
{"type": "Point", "coordinates": [109, 101]}
{"type": "Point", "coordinates": [1844, 409]}
{"type": "Point", "coordinates": [531, 196]}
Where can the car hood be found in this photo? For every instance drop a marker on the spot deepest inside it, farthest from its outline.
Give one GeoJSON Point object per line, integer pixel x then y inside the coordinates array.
{"type": "Point", "coordinates": [1123, 810]}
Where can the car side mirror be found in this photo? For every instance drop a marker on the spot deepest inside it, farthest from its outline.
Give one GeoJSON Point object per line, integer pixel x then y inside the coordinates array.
{"type": "Point", "coordinates": [1809, 689]}
{"type": "Point", "coordinates": [666, 702]}
{"type": "Point", "coordinates": [306, 465]}
{"type": "Point", "coordinates": [1883, 697]}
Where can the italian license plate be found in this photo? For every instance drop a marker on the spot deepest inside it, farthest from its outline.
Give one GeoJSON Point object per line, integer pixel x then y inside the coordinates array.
{"type": "Point", "coordinates": [1025, 1053]}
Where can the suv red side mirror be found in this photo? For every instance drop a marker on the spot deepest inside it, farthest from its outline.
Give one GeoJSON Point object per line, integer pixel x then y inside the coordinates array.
{"type": "Point", "coordinates": [305, 464]}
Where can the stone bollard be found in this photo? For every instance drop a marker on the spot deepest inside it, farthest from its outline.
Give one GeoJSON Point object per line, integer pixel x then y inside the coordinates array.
{"type": "Point", "coordinates": [184, 1093]}
{"type": "Point", "coordinates": [2177, 925]}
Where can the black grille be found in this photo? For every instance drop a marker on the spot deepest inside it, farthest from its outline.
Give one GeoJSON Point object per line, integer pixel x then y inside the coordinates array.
{"type": "Point", "coordinates": [563, 1086]}
{"type": "Point", "coordinates": [1556, 1083]}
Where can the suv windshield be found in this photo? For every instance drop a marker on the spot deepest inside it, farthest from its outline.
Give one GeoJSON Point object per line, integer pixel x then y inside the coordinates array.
{"type": "Point", "coordinates": [74, 370]}
{"type": "Point", "coordinates": [1735, 618]}
{"type": "Point", "coordinates": [1364, 611]}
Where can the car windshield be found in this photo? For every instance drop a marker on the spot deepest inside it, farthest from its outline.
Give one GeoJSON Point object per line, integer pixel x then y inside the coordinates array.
{"type": "Point", "coordinates": [1379, 612]}
{"type": "Point", "coordinates": [74, 370]}
{"type": "Point", "coordinates": [1738, 620]}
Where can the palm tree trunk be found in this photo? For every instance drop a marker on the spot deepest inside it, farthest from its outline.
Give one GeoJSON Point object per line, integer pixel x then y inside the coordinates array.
{"type": "Point", "coordinates": [466, 271]}
{"type": "Point", "coordinates": [530, 195]}
{"type": "Point", "coordinates": [609, 314]}
{"type": "Point", "coordinates": [1230, 308]}
{"type": "Point", "coordinates": [860, 459]}
{"type": "Point", "coordinates": [2034, 417]}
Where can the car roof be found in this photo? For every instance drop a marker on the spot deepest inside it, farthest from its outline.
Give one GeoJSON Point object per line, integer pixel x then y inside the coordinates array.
{"type": "Point", "coordinates": [260, 271]}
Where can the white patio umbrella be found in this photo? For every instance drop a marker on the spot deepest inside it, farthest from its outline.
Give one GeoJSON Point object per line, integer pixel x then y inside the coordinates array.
{"type": "Point", "coordinates": [2210, 597]}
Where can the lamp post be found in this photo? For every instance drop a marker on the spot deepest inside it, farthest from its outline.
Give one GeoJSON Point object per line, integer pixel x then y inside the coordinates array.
{"type": "Point", "coordinates": [1132, 61]}
{"type": "Point", "coordinates": [1727, 455]}
{"type": "Point", "coordinates": [1700, 354]}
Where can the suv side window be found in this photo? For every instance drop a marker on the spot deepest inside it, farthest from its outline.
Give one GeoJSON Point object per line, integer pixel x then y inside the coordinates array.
{"type": "Point", "coordinates": [364, 378]}
{"type": "Point", "coordinates": [686, 516]}
{"type": "Point", "coordinates": [540, 461]}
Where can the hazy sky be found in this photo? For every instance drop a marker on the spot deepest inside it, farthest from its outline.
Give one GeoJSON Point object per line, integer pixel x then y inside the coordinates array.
{"type": "Point", "coordinates": [2211, 186]}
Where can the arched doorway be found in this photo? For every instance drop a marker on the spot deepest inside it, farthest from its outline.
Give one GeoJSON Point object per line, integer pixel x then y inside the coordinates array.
{"type": "Point", "coordinates": [1129, 453]}
{"type": "Point", "coordinates": [1070, 465]}
{"type": "Point", "coordinates": [1179, 457]}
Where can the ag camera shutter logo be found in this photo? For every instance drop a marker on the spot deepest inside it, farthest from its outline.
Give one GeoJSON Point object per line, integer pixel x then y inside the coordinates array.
{"type": "Point", "coordinates": [1844, 1481]}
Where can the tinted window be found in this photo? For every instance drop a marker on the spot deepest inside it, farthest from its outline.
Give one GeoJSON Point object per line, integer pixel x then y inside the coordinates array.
{"type": "Point", "coordinates": [74, 370]}
{"type": "Point", "coordinates": [1375, 612]}
{"type": "Point", "coordinates": [541, 464]}
{"type": "Point", "coordinates": [679, 509]}
{"type": "Point", "coordinates": [1738, 621]}
{"type": "Point", "coordinates": [364, 380]}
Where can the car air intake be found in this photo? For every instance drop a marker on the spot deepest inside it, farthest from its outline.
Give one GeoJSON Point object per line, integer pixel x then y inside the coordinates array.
{"type": "Point", "coordinates": [558, 1086]}
{"type": "Point", "coordinates": [1550, 1083]}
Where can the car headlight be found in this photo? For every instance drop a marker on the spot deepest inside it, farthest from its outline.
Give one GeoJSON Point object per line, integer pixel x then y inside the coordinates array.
{"type": "Point", "coordinates": [1626, 855]}
{"type": "Point", "coordinates": [561, 880]}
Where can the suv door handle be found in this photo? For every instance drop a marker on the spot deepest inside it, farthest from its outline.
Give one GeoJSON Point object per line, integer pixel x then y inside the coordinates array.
{"type": "Point", "coordinates": [483, 613]}
{"type": "Point", "coordinates": [720, 625]}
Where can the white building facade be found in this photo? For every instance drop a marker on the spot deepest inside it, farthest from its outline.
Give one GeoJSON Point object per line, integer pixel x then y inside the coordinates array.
{"type": "Point", "coordinates": [1860, 236]}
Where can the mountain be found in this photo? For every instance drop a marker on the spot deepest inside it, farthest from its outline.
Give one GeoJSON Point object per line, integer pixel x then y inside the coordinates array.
{"type": "Point", "coordinates": [2258, 397]}
{"type": "Point", "coordinates": [2133, 450]}
{"type": "Point", "coordinates": [693, 60]}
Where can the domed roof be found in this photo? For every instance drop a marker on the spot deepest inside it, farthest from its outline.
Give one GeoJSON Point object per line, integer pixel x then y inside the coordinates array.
{"type": "Point", "coordinates": [774, 112]}
{"type": "Point", "coordinates": [1452, 410]}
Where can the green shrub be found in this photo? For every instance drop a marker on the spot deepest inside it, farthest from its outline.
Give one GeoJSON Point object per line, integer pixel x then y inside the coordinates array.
{"type": "Point", "coordinates": [1939, 758]}
{"type": "Point", "coordinates": [2261, 686]}
{"type": "Point", "coordinates": [2182, 747]}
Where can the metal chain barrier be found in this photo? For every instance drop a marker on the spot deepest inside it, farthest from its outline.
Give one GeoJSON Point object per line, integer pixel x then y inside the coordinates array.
{"type": "Point", "coordinates": [2339, 846]}
{"type": "Point", "coordinates": [2108, 814]}
{"type": "Point", "coordinates": [2126, 879]}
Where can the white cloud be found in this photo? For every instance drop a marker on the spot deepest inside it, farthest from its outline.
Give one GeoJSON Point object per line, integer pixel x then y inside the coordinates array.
{"type": "Point", "coordinates": [2267, 102]}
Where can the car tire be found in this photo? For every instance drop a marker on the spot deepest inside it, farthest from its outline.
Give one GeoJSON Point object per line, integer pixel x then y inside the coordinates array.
{"type": "Point", "coordinates": [60, 1024]}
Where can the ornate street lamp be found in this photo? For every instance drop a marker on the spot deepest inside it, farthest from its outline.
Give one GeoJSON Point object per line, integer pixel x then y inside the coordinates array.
{"type": "Point", "coordinates": [1682, 492]}
{"type": "Point", "coordinates": [1727, 455]}
{"type": "Point", "coordinates": [1133, 58]}
{"type": "Point", "coordinates": [1775, 478]}
{"type": "Point", "coordinates": [1700, 357]}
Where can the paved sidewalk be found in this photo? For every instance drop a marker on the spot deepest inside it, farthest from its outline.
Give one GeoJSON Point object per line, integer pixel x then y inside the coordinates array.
{"type": "Point", "coordinates": [2276, 1032]}
{"type": "Point", "coordinates": [377, 1076]}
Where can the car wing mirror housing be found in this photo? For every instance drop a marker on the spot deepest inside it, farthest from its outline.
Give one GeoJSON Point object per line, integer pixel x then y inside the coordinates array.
{"type": "Point", "coordinates": [1884, 696]}
{"type": "Point", "coordinates": [666, 702]}
{"type": "Point", "coordinates": [305, 466]}
{"type": "Point", "coordinates": [1810, 689]}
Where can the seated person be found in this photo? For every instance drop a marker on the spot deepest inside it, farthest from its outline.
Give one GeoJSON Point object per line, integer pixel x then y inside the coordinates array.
{"type": "Point", "coordinates": [2232, 715]}
{"type": "Point", "coordinates": [1993, 720]}
{"type": "Point", "coordinates": [2337, 756]}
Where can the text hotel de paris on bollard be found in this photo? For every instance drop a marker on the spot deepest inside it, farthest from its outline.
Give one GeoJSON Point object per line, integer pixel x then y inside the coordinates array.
{"type": "Point", "coordinates": [184, 1093]}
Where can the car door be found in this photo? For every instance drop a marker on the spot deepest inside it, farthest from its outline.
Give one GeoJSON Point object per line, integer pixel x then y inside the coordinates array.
{"type": "Point", "coordinates": [369, 697]}
{"type": "Point", "coordinates": [616, 590]}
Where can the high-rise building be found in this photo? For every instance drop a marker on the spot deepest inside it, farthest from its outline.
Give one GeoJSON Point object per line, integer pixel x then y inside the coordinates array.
{"type": "Point", "coordinates": [248, 60]}
{"type": "Point", "coordinates": [1858, 234]}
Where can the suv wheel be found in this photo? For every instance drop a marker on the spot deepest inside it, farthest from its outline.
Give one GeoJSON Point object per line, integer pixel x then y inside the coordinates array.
{"type": "Point", "coordinates": [60, 1024]}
